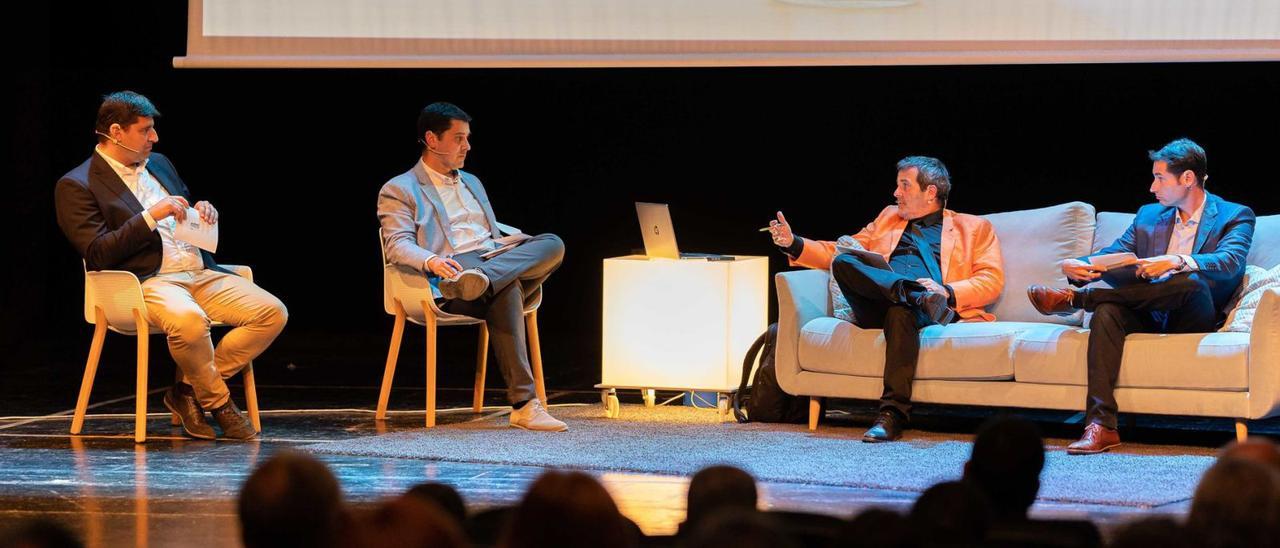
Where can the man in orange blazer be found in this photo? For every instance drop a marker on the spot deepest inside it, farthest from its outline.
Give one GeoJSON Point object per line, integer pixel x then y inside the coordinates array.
{"type": "Point", "coordinates": [943, 265]}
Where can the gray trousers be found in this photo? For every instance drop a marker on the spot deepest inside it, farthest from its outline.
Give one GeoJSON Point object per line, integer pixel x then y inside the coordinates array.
{"type": "Point", "coordinates": [514, 276]}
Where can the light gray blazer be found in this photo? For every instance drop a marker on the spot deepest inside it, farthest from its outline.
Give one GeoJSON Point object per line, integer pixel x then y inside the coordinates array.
{"type": "Point", "coordinates": [415, 226]}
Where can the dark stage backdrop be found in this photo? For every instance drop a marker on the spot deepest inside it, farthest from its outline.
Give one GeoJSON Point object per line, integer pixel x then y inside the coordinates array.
{"type": "Point", "coordinates": [294, 160]}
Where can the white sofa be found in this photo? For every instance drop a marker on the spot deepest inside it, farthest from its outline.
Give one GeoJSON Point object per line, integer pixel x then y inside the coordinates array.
{"type": "Point", "coordinates": [1029, 360]}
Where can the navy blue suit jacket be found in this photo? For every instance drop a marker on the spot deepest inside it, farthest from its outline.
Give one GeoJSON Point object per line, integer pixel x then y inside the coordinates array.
{"type": "Point", "coordinates": [103, 219]}
{"type": "Point", "coordinates": [1222, 242]}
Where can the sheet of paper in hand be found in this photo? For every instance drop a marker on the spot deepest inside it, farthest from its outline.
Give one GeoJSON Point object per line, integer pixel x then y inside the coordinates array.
{"type": "Point", "coordinates": [1113, 260]}
{"type": "Point", "coordinates": [505, 244]}
{"type": "Point", "coordinates": [196, 232]}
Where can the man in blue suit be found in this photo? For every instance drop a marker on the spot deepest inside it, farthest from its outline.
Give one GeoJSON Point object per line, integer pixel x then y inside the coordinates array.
{"type": "Point", "coordinates": [1191, 247]}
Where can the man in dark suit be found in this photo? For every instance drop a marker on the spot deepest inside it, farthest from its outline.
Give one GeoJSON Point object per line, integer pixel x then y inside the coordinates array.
{"type": "Point", "coordinates": [120, 209]}
{"type": "Point", "coordinates": [1191, 246]}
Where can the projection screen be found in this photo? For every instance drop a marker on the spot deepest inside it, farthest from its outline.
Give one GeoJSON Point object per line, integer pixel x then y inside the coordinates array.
{"type": "Point", "coordinates": [621, 33]}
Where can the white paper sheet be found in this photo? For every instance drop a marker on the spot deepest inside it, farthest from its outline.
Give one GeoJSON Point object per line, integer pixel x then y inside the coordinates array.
{"type": "Point", "coordinates": [196, 232]}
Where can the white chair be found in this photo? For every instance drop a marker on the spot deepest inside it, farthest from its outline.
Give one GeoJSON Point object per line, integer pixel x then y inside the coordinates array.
{"type": "Point", "coordinates": [406, 294]}
{"type": "Point", "coordinates": [113, 301]}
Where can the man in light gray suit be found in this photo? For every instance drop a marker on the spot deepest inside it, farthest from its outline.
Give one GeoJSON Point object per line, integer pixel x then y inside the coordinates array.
{"type": "Point", "coordinates": [436, 219]}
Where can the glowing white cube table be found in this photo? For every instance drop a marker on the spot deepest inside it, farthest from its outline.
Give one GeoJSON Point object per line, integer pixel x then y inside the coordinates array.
{"type": "Point", "coordinates": [680, 324]}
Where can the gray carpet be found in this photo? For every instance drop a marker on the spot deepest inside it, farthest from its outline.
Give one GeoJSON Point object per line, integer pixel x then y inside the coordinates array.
{"type": "Point", "coordinates": [681, 440]}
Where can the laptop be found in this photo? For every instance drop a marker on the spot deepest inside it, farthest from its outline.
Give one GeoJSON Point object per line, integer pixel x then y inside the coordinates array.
{"type": "Point", "coordinates": [660, 237]}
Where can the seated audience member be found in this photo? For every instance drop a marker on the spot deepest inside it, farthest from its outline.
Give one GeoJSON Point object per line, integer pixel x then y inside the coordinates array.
{"type": "Point", "coordinates": [1191, 248]}
{"type": "Point", "coordinates": [408, 521]}
{"type": "Point", "coordinates": [436, 220]}
{"type": "Point", "coordinates": [1158, 532]}
{"type": "Point", "coordinates": [1008, 455]}
{"type": "Point", "coordinates": [39, 533]}
{"type": "Point", "coordinates": [1259, 450]}
{"type": "Point", "coordinates": [444, 495]}
{"type": "Point", "coordinates": [924, 286]}
{"type": "Point", "coordinates": [1237, 504]}
{"type": "Point", "coordinates": [950, 513]}
{"type": "Point", "coordinates": [291, 499]}
{"type": "Point", "coordinates": [877, 528]}
{"type": "Point", "coordinates": [567, 510]}
{"type": "Point", "coordinates": [716, 488]}
{"type": "Point", "coordinates": [738, 528]}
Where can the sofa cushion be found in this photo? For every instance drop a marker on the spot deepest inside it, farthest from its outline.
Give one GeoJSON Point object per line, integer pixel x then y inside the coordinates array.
{"type": "Point", "coordinates": [1257, 281]}
{"type": "Point", "coordinates": [1265, 252]}
{"type": "Point", "coordinates": [1208, 361]}
{"type": "Point", "coordinates": [1051, 354]}
{"type": "Point", "coordinates": [960, 351]}
{"type": "Point", "coordinates": [1111, 225]}
{"type": "Point", "coordinates": [1033, 243]}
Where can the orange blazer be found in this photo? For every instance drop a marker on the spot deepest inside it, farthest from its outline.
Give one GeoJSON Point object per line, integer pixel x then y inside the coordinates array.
{"type": "Point", "coordinates": [971, 261]}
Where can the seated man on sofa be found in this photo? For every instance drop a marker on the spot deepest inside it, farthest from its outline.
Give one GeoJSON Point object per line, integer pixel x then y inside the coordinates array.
{"type": "Point", "coordinates": [943, 265]}
{"type": "Point", "coordinates": [1191, 249]}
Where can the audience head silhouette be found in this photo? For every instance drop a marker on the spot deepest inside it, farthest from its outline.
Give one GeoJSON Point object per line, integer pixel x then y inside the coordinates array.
{"type": "Point", "coordinates": [950, 513]}
{"type": "Point", "coordinates": [716, 488]}
{"type": "Point", "coordinates": [291, 500]}
{"type": "Point", "coordinates": [1236, 504]}
{"type": "Point", "coordinates": [1007, 458]}
{"type": "Point", "coordinates": [567, 509]}
{"type": "Point", "coordinates": [444, 496]}
{"type": "Point", "coordinates": [409, 521]}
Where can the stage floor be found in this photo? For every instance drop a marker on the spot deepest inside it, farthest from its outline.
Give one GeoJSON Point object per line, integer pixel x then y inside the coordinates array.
{"type": "Point", "coordinates": [176, 491]}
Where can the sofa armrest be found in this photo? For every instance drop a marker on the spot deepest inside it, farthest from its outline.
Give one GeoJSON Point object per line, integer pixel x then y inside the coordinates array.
{"type": "Point", "coordinates": [802, 296]}
{"type": "Point", "coordinates": [1264, 358]}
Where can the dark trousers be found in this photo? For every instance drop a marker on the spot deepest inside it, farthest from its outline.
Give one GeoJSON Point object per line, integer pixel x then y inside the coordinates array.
{"type": "Point", "coordinates": [1181, 304]}
{"type": "Point", "coordinates": [880, 299]}
{"type": "Point", "coordinates": [514, 277]}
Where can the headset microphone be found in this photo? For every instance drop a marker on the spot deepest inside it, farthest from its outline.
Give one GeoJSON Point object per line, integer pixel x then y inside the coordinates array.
{"type": "Point", "coordinates": [118, 143]}
{"type": "Point", "coordinates": [432, 150]}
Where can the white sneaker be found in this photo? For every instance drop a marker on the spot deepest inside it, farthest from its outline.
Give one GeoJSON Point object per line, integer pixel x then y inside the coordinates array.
{"type": "Point", "coordinates": [533, 416]}
{"type": "Point", "coordinates": [468, 285]}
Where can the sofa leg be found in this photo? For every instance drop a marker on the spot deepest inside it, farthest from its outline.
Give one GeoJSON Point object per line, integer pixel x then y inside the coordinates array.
{"type": "Point", "coordinates": [1242, 430]}
{"type": "Point", "coordinates": [815, 411]}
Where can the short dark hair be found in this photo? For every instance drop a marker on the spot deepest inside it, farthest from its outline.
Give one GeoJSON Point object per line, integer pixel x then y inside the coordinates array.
{"type": "Point", "coordinates": [1007, 458]}
{"type": "Point", "coordinates": [1182, 155]}
{"type": "Point", "coordinates": [438, 117]}
{"type": "Point", "coordinates": [291, 498]}
{"type": "Point", "coordinates": [929, 171]}
{"type": "Point", "coordinates": [717, 487]}
{"type": "Point", "coordinates": [124, 108]}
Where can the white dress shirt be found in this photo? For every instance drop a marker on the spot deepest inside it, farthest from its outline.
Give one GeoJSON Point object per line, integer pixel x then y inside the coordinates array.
{"type": "Point", "coordinates": [177, 256]}
{"type": "Point", "coordinates": [1183, 240]}
{"type": "Point", "coordinates": [468, 225]}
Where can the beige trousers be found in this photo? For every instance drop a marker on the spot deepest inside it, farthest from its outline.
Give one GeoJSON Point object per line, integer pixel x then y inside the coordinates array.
{"type": "Point", "coordinates": [184, 304]}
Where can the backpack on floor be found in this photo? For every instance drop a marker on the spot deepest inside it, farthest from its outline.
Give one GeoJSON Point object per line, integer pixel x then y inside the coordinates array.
{"type": "Point", "coordinates": [766, 401]}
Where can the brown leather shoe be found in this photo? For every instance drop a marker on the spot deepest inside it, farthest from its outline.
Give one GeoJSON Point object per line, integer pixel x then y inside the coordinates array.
{"type": "Point", "coordinates": [1096, 439]}
{"type": "Point", "coordinates": [181, 401]}
{"type": "Point", "coordinates": [233, 423]}
{"type": "Point", "coordinates": [1052, 301]}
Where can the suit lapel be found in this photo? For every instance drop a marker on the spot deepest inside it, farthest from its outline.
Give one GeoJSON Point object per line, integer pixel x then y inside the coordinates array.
{"type": "Point", "coordinates": [1160, 236]}
{"type": "Point", "coordinates": [101, 173]}
{"type": "Point", "coordinates": [948, 241]}
{"type": "Point", "coordinates": [1208, 221]}
{"type": "Point", "coordinates": [473, 185]}
{"type": "Point", "coordinates": [429, 190]}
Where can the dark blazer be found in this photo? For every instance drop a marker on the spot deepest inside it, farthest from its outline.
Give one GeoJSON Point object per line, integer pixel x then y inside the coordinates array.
{"type": "Point", "coordinates": [103, 219]}
{"type": "Point", "coordinates": [1222, 242]}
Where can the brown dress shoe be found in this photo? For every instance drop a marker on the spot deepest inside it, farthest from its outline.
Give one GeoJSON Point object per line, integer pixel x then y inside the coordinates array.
{"type": "Point", "coordinates": [233, 423]}
{"type": "Point", "coordinates": [1052, 301]}
{"type": "Point", "coordinates": [1096, 439]}
{"type": "Point", "coordinates": [181, 401]}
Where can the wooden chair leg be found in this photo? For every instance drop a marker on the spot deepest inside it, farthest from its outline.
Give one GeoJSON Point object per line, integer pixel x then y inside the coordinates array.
{"type": "Point", "coordinates": [482, 361]}
{"type": "Point", "coordinates": [393, 354]}
{"type": "Point", "coordinates": [535, 354]}
{"type": "Point", "coordinates": [1242, 430]}
{"type": "Point", "coordinates": [431, 366]}
{"type": "Point", "coordinates": [90, 369]}
{"type": "Point", "coordinates": [815, 411]}
{"type": "Point", "coordinates": [140, 407]}
{"type": "Point", "coordinates": [251, 397]}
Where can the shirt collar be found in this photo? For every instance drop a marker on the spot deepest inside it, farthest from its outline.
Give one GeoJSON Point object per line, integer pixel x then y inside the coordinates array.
{"type": "Point", "coordinates": [121, 169]}
{"type": "Point", "coordinates": [1195, 217]}
{"type": "Point", "coordinates": [929, 220]}
{"type": "Point", "coordinates": [438, 178]}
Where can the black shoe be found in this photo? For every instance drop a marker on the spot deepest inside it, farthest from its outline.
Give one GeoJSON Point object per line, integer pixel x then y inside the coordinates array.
{"type": "Point", "coordinates": [888, 427]}
{"type": "Point", "coordinates": [233, 423]}
{"type": "Point", "coordinates": [934, 306]}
